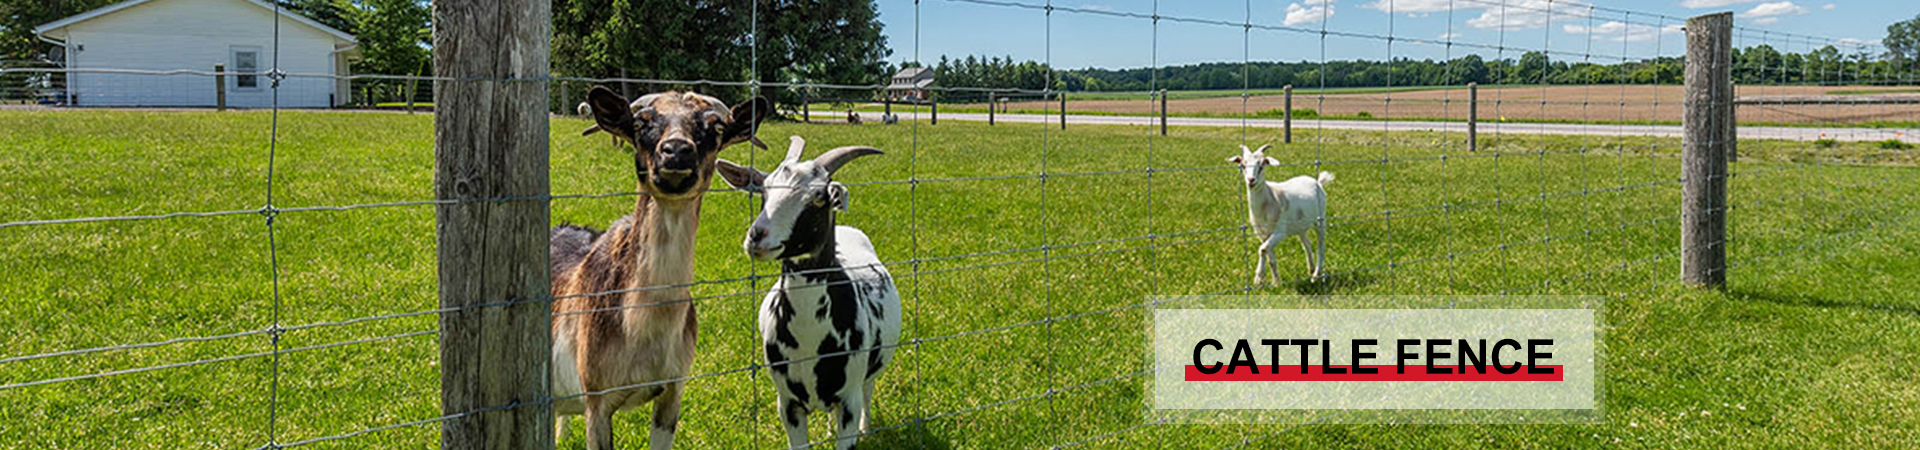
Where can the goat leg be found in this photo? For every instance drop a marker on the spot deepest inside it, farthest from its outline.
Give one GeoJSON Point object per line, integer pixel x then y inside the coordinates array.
{"type": "Point", "coordinates": [599, 417]}
{"type": "Point", "coordinates": [794, 417]}
{"type": "Point", "coordinates": [850, 413]}
{"type": "Point", "coordinates": [666, 417]}
{"type": "Point", "coordinates": [866, 414]}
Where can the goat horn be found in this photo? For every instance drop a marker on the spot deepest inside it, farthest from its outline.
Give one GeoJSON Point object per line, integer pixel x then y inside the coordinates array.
{"type": "Point", "coordinates": [1243, 148]}
{"type": "Point", "coordinates": [793, 149]}
{"type": "Point", "coordinates": [833, 159]}
{"type": "Point", "coordinates": [1263, 148]}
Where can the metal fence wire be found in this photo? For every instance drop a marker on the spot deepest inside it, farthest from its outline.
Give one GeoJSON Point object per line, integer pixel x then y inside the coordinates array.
{"type": "Point", "coordinates": [1625, 167]}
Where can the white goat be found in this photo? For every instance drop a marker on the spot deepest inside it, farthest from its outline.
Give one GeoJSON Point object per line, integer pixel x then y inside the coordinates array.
{"type": "Point", "coordinates": [833, 296]}
{"type": "Point", "coordinates": [1281, 210]}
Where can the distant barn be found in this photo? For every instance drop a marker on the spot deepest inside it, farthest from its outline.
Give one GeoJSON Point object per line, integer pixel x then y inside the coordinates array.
{"type": "Point", "coordinates": [196, 35]}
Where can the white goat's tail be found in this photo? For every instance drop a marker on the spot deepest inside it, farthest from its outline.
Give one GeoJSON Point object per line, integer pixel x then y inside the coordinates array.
{"type": "Point", "coordinates": [1326, 177]}
{"type": "Point", "coordinates": [584, 109]}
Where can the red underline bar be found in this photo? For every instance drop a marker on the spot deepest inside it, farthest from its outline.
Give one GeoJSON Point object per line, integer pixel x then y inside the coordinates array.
{"type": "Point", "coordinates": [1415, 372]}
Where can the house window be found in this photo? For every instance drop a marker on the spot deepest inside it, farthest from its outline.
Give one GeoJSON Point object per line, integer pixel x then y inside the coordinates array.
{"type": "Point", "coordinates": [246, 60]}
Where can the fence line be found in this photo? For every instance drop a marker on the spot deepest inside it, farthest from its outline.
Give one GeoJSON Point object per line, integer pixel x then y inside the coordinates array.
{"type": "Point", "coordinates": [1154, 240]}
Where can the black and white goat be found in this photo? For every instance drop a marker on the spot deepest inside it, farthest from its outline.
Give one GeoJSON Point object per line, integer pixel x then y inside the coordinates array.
{"type": "Point", "coordinates": [1285, 209]}
{"type": "Point", "coordinates": [833, 296]}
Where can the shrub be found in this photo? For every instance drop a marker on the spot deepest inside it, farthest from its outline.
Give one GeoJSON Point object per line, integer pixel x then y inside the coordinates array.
{"type": "Point", "coordinates": [1826, 143]}
{"type": "Point", "coordinates": [1364, 115]}
{"type": "Point", "coordinates": [1894, 144]}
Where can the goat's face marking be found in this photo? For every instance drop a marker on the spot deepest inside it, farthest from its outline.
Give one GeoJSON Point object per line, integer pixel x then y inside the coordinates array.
{"type": "Point", "coordinates": [798, 202]}
{"type": "Point", "coordinates": [1253, 164]}
{"type": "Point", "coordinates": [676, 136]}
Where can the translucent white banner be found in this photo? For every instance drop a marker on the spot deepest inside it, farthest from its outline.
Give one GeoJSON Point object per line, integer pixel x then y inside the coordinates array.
{"type": "Point", "coordinates": [1373, 359]}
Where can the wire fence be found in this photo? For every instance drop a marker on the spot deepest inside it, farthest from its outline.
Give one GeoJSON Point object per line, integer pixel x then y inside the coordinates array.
{"type": "Point", "coordinates": [1574, 194]}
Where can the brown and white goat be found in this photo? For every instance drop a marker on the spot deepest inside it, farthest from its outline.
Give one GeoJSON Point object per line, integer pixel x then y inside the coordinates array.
{"type": "Point", "coordinates": [623, 325]}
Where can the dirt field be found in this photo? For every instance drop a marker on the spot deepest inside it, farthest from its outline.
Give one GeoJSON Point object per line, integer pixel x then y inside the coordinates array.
{"type": "Point", "coordinates": [1559, 103]}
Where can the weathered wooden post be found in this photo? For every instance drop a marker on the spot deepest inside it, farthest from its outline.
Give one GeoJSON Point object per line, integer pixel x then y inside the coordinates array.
{"type": "Point", "coordinates": [490, 170]}
{"type": "Point", "coordinates": [1286, 135]}
{"type": "Point", "coordinates": [1163, 111]}
{"type": "Point", "coordinates": [806, 108]}
{"type": "Point", "coordinates": [220, 87]}
{"type": "Point", "coordinates": [1473, 116]}
{"type": "Point", "coordinates": [934, 117]}
{"type": "Point", "coordinates": [991, 108]}
{"type": "Point", "coordinates": [1705, 146]}
{"type": "Point", "coordinates": [409, 94]}
{"type": "Point", "coordinates": [566, 107]}
{"type": "Point", "coordinates": [1063, 110]}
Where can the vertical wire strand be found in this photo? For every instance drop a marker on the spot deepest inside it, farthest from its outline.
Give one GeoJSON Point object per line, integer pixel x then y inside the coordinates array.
{"type": "Point", "coordinates": [913, 219]}
{"type": "Point", "coordinates": [1586, 118]}
{"type": "Point", "coordinates": [1446, 202]}
{"type": "Point", "coordinates": [1046, 228]}
{"type": "Point", "coordinates": [753, 269]}
{"type": "Point", "coordinates": [1499, 97]}
{"type": "Point", "coordinates": [273, 252]}
{"type": "Point", "coordinates": [1546, 86]}
{"type": "Point", "coordinates": [1386, 153]}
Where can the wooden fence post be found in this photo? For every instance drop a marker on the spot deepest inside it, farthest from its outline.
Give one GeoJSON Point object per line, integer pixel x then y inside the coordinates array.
{"type": "Point", "coordinates": [1063, 110]}
{"type": "Point", "coordinates": [1705, 146]}
{"type": "Point", "coordinates": [1473, 116]}
{"type": "Point", "coordinates": [934, 117]}
{"type": "Point", "coordinates": [1163, 111]}
{"type": "Point", "coordinates": [490, 142]}
{"type": "Point", "coordinates": [1286, 136]}
{"type": "Point", "coordinates": [220, 86]}
{"type": "Point", "coordinates": [991, 108]}
{"type": "Point", "coordinates": [806, 108]}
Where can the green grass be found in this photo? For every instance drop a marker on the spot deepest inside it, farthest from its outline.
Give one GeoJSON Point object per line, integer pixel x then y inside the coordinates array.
{"type": "Point", "coordinates": [976, 108]}
{"type": "Point", "coordinates": [1813, 347]}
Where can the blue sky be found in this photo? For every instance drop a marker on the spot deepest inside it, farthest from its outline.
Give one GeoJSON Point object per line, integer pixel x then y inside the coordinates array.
{"type": "Point", "coordinates": [1572, 29]}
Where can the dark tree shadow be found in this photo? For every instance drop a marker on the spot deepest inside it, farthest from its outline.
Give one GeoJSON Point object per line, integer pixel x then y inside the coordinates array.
{"type": "Point", "coordinates": [1794, 299]}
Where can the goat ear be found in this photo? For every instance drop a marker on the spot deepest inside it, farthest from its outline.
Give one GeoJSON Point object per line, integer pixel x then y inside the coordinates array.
{"type": "Point", "coordinates": [746, 120]}
{"type": "Point", "coordinates": [742, 177]}
{"type": "Point", "coordinates": [610, 113]}
{"type": "Point", "coordinates": [1272, 162]}
{"type": "Point", "coordinates": [837, 193]}
{"type": "Point", "coordinates": [1235, 160]}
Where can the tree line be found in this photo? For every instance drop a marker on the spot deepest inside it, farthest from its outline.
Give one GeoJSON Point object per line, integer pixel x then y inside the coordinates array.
{"type": "Point", "coordinates": [1760, 64]}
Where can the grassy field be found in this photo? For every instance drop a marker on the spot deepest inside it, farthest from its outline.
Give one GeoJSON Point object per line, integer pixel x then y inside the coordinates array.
{"type": "Point", "coordinates": [1811, 345]}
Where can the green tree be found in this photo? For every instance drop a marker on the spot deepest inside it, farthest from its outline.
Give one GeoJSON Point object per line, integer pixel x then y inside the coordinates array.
{"type": "Point", "coordinates": [820, 41]}
{"type": "Point", "coordinates": [19, 17]}
{"type": "Point", "coordinates": [1903, 42]}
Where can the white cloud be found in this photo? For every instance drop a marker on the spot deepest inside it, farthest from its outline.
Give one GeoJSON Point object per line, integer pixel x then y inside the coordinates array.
{"type": "Point", "coordinates": [1851, 44]}
{"type": "Point", "coordinates": [1097, 7]}
{"type": "Point", "coordinates": [1313, 11]}
{"type": "Point", "coordinates": [1528, 14]}
{"type": "Point", "coordinates": [1449, 35]}
{"type": "Point", "coordinates": [1421, 6]}
{"type": "Point", "coordinates": [1510, 14]}
{"type": "Point", "coordinates": [1697, 4]}
{"type": "Point", "coordinates": [1621, 31]}
{"type": "Point", "coordinates": [1766, 21]}
{"type": "Point", "coordinates": [1773, 9]}
{"type": "Point", "coordinates": [1828, 6]}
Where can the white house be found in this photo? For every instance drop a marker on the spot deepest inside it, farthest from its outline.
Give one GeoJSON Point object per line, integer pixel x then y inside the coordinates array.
{"type": "Point", "coordinates": [196, 35]}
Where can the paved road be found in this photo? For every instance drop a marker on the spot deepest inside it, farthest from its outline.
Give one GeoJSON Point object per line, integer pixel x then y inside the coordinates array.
{"type": "Point", "coordinates": [1787, 133]}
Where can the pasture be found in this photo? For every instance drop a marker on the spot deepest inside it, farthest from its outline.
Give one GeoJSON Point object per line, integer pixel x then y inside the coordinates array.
{"type": "Point", "coordinates": [1812, 343]}
{"type": "Point", "coordinates": [1516, 103]}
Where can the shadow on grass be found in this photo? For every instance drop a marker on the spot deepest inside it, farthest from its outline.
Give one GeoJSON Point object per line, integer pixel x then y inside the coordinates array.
{"type": "Point", "coordinates": [910, 436]}
{"type": "Point", "coordinates": [1809, 300]}
{"type": "Point", "coordinates": [1334, 283]}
